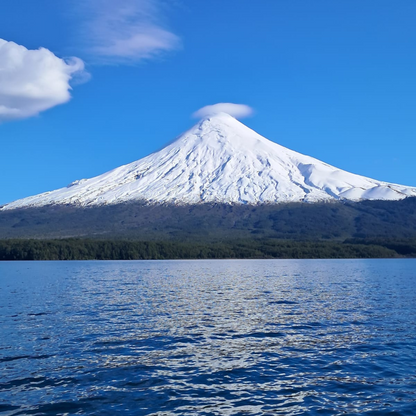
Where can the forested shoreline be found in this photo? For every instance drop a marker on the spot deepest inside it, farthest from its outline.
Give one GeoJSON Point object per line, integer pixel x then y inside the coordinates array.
{"type": "Point", "coordinates": [92, 249]}
{"type": "Point", "coordinates": [367, 229]}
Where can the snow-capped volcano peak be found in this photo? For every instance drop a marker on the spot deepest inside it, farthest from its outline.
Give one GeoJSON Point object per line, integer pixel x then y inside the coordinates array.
{"type": "Point", "coordinates": [220, 160]}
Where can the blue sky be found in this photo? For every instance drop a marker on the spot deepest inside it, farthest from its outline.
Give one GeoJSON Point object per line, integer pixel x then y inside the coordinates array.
{"type": "Point", "coordinates": [331, 79]}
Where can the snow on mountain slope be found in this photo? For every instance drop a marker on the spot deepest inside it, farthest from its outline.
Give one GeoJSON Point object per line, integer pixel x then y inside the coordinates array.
{"type": "Point", "coordinates": [220, 160]}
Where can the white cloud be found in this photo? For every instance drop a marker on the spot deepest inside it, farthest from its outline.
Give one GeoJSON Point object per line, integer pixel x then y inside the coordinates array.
{"type": "Point", "coordinates": [32, 81]}
{"type": "Point", "coordinates": [126, 31]}
{"type": "Point", "coordinates": [235, 110]}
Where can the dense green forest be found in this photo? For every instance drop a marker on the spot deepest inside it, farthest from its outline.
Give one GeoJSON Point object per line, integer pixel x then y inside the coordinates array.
{"type": "Point", "coordinates": [88, 249]}
{"type": "Point", "coordinates": [138, 231]}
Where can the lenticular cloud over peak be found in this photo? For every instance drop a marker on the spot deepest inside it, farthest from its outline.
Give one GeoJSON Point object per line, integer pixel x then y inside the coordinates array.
{"type": "Point", "coordinates": [236, 110]}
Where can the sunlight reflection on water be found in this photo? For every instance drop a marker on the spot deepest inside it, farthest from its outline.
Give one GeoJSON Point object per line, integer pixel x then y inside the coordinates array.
{"type": "Point", "coordinates": [208, 337]}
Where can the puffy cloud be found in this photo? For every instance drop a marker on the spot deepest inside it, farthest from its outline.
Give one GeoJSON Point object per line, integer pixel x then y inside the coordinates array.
{"type": "Point", "coordinates": [126, 31]}
{"type": "Point", "coordinates": [235, 110]}
{"type": "Point", "coordinates": [32, 81]}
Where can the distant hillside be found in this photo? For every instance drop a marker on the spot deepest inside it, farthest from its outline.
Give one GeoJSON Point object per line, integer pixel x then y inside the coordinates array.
{"type": "Point", "coordinates": [336, 221]}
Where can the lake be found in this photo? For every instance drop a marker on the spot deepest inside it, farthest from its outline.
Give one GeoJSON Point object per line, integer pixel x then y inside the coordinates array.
{"type": "Point", "coordinates": [208, 337]}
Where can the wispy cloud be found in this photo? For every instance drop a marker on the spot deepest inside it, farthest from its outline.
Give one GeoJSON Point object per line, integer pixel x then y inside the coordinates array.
{"type": "Point", "coordinates": [126, 31]}
{"type": "Point", "coordinates": [32, 81]}
{"type": "Point", "coordinates": [235, 110]}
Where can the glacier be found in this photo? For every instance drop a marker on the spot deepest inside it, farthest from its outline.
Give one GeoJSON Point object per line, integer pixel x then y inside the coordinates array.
{"type": "Point", "coordinates": [220, 160]}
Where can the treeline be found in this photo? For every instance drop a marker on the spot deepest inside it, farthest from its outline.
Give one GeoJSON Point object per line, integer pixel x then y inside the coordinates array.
{"type": "Point", "coordinates": [89, 249]}
{"type": "Point", "coordinates": [403, 247]}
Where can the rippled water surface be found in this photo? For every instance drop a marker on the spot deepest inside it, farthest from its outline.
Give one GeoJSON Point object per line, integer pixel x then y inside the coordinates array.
{"type": "Point", "coordinates": [288, 337]}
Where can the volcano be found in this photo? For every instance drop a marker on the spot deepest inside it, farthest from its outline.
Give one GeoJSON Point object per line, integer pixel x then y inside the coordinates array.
{"type": "Point", "coordinates": [220, 160]}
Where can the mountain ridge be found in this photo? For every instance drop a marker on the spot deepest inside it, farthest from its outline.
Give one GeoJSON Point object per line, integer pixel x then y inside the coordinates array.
{"type": "Point", "coordinates": [220, 160]}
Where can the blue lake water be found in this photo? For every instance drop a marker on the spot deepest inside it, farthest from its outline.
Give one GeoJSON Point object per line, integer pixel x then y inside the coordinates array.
{"type": "Point", "coordinates": [232, 337]}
